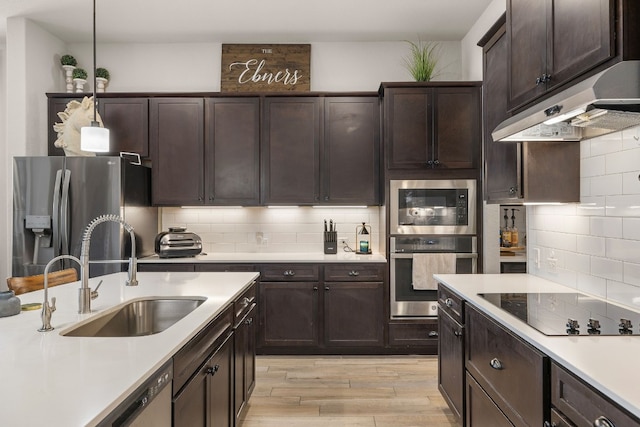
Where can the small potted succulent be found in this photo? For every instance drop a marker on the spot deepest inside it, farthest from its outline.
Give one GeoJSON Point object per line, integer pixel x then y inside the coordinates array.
{"type": "Point", "coordinates": [102, 78]}
{"type": "Point", "coordinates": [79, 78]}
{"type": "Point", "coordinates": [68, 65]}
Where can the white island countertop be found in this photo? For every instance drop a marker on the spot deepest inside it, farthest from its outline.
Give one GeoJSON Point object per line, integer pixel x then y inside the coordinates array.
{"type": "Point", "coordinates": [51, 380]}
{"type": "Point", "coordinates": [270, 257]}
{"type": "Point", "coordinates": [608, 363]}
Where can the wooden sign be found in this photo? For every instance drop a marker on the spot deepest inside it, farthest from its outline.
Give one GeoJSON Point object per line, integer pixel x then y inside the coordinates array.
{"type": "Point", "coordinates": [266, 68]}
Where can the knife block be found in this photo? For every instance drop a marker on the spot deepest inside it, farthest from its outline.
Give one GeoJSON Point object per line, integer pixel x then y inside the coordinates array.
{"type": "Point", "coordinates": [330, 242]}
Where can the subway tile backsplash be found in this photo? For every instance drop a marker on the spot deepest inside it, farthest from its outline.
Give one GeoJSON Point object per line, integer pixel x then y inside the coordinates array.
{"type": "Point", "coordinates": [260, 229]}
{"type": "Point", "coordinates": [594, 246]}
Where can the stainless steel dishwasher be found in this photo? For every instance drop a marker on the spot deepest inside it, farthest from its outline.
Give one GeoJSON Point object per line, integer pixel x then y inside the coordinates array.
{"type": "Point", "coordinates": [149, 405]}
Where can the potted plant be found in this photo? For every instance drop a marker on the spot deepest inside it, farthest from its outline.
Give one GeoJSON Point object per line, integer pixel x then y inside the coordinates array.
{"type": "Point", "coordinates": [68, 65]}
{"type": "Point", "coordinates": [422, 60]}
{"type": "Point", "coordinates": [102, 78]}
{"type": "Point", "coordinates": [79, 78]}
{"type": "Point", "coordinates": [68, 60]}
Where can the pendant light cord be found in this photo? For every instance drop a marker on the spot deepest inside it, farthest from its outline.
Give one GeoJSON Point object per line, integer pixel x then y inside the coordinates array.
{"type": "Point", "coordinates": [95, 101]}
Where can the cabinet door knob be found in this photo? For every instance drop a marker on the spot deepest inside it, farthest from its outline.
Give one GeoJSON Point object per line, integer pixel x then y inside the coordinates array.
{"type": "Point", "coordinates": [457, 333]}
{"type": "Point", "coordinates": [248, 321]}
{"type": "Point", "coordinates": [436, 162]}
{"type": "Point", "coordinates": [603, 422]}
{"type": "Point", "coordinates": [326, 288]}
{"type": "Point", "coordinates": [448, 302]}
{"type": "Point", "coordinates": [430, 162]}
{"type": "Point", "coordinates": [538, 81]}
{"type": "Point", "coordinates": [315, 288]}
{"type": "Point", "coordinates": [512, 190]}
{"type": "Point", "coordinates": [354, 273]}
{"type": "Point", "coordinates": [211, 370]}
{"type": "Point", "coordinates": [495, 364]}
{"type": "Point", "coordinates": [433, 334]}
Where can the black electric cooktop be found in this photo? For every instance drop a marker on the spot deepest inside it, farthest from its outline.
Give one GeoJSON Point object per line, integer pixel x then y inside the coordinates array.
{"type": "Point", "coordinates": [568, 313]}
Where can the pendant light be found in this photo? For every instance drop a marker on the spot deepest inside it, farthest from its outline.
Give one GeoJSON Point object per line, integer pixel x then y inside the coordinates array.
{"type": "Point", "coordinates": [94, 138]}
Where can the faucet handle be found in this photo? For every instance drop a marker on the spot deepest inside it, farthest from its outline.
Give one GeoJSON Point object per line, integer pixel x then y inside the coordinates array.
{"type": "Point", "coordinates": [94, 293]}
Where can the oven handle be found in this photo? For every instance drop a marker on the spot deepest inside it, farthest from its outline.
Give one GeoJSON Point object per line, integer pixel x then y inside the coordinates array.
{"type": "Point", "coordinates": [459, 256]}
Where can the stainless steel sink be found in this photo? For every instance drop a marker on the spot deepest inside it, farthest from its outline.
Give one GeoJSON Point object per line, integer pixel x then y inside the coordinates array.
{"type": "Point", "coordinates": [138, 318]}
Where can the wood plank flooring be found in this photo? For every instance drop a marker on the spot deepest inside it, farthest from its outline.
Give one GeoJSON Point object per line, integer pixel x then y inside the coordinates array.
{"type": "Point", "coordinates": [347, 391]}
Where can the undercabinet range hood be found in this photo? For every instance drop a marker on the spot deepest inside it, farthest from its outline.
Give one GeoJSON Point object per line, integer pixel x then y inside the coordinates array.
{"type": "Point", "coordinates": [606, 102]}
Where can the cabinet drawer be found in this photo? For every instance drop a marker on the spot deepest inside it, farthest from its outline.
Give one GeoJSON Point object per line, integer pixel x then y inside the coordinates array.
{"type": "Point", "coordinates": [187, 360]}
{"type": "Point", "coordinates": [165, 267]}
{"type": "Point", "coordinates": [354, 272]}
{"type": "Point", "coordinates": [290, 272]}
{"type": "Point", "coordinates": [217, 267]}
{"type": "Point", "coordinates": [581, 404]}
{"type": "Point", "coordinates": [414, 334]}
{"type": "Point", "coordinates": [450, 303]}
{"type": "Point", "coordinates": [502, 363]}
{"type": "Point", "coordinates": [481, 410]}
{"type": "Point", "coordinates": [244, 303]}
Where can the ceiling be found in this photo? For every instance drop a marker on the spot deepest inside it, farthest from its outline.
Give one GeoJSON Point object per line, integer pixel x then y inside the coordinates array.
{"type": "Point", "coordinates": [249, 21]}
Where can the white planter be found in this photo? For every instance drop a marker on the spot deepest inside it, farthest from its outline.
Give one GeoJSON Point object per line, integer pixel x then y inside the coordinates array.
{"type": "Point", "coordinates": [68, 73]}
{"type": "Point", "coordinates": [101, 83]}
{"type": "Point", "coordinates": [80, 84]}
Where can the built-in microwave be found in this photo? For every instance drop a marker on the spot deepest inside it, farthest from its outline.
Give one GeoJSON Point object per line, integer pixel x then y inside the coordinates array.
{"type": "Point", "coordinates": [432, 206]}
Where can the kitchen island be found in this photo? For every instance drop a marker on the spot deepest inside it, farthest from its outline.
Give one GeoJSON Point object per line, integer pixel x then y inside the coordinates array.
{"type": "Point", "coordinates": [605, 363]}
{"type": "Point", "coordinates": [50, 379]}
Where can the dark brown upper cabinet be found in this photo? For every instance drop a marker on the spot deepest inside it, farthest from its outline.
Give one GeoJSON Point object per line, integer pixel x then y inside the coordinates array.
{"type": "Point", "coordinates": [551, 42]}
{"type": "Point", "coordinates": [432, 125]}
{"type": "Point", "coordinates": [232, 150]}
{"type": "Point", "coordinates": [520, 172]}
{"type": "Point", "coordinates": [205, 151]}
{"type": "Point", "coordinates": [291, 135]}
{"type": "Point", "coordinates": [350, 169]}
{"type": "Point", "coordinates": [128, 122]}
{"type": "Point", "coordinates": [176, 131]}
{"type": "Point", "coordinates": [321, 150]}
{"type": "Point", "coordinates": [127, 119]}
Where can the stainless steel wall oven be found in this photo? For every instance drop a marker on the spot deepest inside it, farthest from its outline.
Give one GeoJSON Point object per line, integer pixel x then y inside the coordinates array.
{"type": "Point", "coordinates": [408, 299]}
{"type": "Point", "coordinates": [432, 220]}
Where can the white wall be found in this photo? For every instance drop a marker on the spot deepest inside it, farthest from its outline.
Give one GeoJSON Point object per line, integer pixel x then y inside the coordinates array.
{"type": "Point", "coordinates": [596, 243]}
{"type": "Point", "coordinates": [32, 55]}
{"type": "Point", "coordinates": [196, 66]}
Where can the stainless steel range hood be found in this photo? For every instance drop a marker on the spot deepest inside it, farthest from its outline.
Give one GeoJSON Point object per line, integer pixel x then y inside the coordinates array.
{"type": "Point", "coordinates": [606, 102]}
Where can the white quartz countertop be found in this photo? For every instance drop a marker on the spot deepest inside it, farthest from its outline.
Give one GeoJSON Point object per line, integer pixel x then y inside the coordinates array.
{"type": "Point", "coordinates": [608, 363]}
{"type": "Point", "coordinates": [270, 257]}
{"type": "Point", "coordinates": [51, 380]}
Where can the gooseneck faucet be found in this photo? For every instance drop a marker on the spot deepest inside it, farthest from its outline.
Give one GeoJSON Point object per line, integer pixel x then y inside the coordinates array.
{"type": "Point", "coordinates": [85, 294]}
{"type": "Point", "coordinates": [47, 310]}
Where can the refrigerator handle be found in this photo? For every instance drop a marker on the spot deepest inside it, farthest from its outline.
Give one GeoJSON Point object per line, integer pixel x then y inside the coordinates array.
{"type": "Point", "coordinates": [56, 213]}
{"type": "Point", "coordinates": [64, 213]}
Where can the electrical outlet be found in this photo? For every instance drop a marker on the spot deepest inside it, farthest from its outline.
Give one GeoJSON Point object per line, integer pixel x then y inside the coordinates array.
{"type": "Point", "coordinates": [552, 262]}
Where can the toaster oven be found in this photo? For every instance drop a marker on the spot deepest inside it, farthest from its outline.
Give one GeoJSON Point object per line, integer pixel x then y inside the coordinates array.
{"type": "Point", "coordinates": [177, 242]}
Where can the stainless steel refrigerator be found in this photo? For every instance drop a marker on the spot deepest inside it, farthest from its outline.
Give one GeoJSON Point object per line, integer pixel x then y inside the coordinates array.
{"type": "Point", "coordinates": [55, 198]}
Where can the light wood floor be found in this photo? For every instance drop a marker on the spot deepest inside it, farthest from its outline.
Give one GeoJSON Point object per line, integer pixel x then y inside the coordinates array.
{"type": "Point", "coordinates": [348, 391]}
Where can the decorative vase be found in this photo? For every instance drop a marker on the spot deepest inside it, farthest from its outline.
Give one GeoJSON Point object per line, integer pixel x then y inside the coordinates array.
{"type": "Point", "coordinates": [101, 82]}
{"type": "Point", "coordinates": [68, 73]}
{"type": "Point", "coordinates": [79, 84]}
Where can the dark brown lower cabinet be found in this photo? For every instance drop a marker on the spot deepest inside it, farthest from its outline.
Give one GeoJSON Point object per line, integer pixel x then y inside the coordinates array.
{"type": "Point", "coordinates": [353, 314]}
{"type": "Point", "coordinates": [512, 373]}
{"type": "Point", "coordinates": [288, 314]}
{"type": "Point", "coordinates": [451, 362]}
{"type": "Point", "coordinates": [244, 361]}
{"type": "Point", "coordinates": [207, 399]}
{"type": "Point", "coordinates": [576, 403]}
{"type": "Point", "coordinates": [481, 410]}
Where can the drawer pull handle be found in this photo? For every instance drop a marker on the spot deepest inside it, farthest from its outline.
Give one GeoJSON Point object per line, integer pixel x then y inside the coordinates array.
{"type": "Point", "coordinates": [448, 302]}
{"type": "Point", "coordinates": [603, 422]}
{"type": "Point", "coordinates": [433, 334]}
{"type": "Point", "coordinates": [289, 273]}
{"type": "Point", "coordinates": [354, 273]}
{"type": "Point", "coordinates": [495, 364]}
